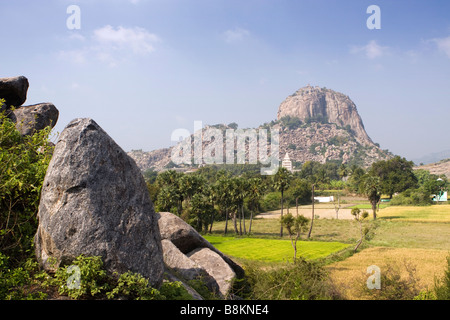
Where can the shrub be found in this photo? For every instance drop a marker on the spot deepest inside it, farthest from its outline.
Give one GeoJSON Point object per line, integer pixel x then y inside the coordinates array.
{"type": "Point", "coordinates": [302, 280]}
{"type": "Point", "coordinates": [23, 163]}
{"type": "Point", "coordinates": [271, 201]}
{"type": "Point", "coordinates": [412, 197]}
{"type": "Point", "coordinates": [393, 285]}
{"type": "Point", "coordinates": [442, 286]}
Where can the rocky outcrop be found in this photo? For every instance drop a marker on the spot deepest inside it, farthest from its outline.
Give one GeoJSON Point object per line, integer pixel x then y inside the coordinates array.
{"type": "Point", "coordinates": [187, 239]}
{"type": "Point", "coordinates": [322, 125]}
{"type": "Point", "coordinates": [216, 266]}
{"type": "Point", "coordinates": [14, 91]}
{"type": "Point", "coordinates": [191, 256]}
{"type": "Point", "coordinates": [33, 118]}
{"type": "Point", "coordinates": [28, 119]}
{"type": "Point", "coordinates": [334, 107]}
{"type": "Point", "coordinates": [94, 202]}
{"type": "Point", "coordinates": [186, 268]}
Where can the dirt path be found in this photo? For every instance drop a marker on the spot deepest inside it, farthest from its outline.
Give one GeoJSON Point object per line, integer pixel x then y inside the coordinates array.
{"type": "Point", "coordinates": [325, 211]}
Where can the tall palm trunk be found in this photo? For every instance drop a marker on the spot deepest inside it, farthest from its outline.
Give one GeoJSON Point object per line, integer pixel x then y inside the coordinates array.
{"type": "Point", "coordinates": [226, 219]}
{"type": "Point", "coordinates": [312, 214]}
{"type": "Point", "coordinates": [281, 229]}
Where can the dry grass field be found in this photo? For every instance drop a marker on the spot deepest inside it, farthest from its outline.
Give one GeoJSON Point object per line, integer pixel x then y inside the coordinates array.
{"type": "Point", "coordinates": [350, 274]}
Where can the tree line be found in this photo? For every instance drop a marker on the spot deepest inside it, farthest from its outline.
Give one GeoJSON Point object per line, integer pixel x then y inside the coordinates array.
{"type": "Point", "coordinates": [236, 193]}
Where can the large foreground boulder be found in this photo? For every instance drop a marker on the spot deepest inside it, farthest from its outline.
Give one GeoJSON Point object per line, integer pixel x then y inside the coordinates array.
{"type": "Point", "coordinates": [94, 201]}
{"type": "Point", "coordinates": [14, 91]}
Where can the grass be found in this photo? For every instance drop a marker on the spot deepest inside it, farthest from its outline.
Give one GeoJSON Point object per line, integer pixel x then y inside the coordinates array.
{"type": "Point", "coordinates": [350, 275]}
{"type": "Point", "coordinates": [408, 234]}
{"type": "Point", "coordinates": [434, 213]}
{"type": "Point", "coordinates": [368, 206]}
{"type": "Point", "coordinates": [418, 236]}
{"type": "Point", "coordinates": [329, 230]}
{"type": "Point", "coordinates": [273, 250]}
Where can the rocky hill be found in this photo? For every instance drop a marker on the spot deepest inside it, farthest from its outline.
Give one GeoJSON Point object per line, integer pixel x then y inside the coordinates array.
{"type": "Point", "coordinates": [438, 168]}
{"type": "Point", "coordinates": [315, 124]}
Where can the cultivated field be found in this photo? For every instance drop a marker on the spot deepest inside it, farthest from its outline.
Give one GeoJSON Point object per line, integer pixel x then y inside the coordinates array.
{"type": "Point", "coordinates": [404, 237]}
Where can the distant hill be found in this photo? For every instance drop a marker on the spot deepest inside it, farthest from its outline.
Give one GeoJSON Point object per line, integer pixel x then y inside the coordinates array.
{"type": "Point", "coordinates": [438, 168]}
{"type": "Point", "coordinates": [315, 124]}
{"type": "Point", "coordinates": [432, 157]}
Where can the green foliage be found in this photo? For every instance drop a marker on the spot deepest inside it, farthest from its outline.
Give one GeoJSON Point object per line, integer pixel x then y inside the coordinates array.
{"type": "Point", "coordinates": [270, 201]}
{"type": "Point", "coordinates": [300, 190]}
{"type": "Point", "coordinates": [14, 281]}
{"type": "Point", "coordinates": [294, 226]}
{"type": "Point", "coordinates": [301, 280]}
{"type": "Point", "coordinates": [359, 217]}
{"type": "Point", "coordinates": [174, 291]}
{"type": "Point", "coordinates": [412, 197]}
{"type": "Point", "coordinates": [338, 140]}
{"type": "Point", "coordinates": [442, 286]}
{"type": "Point", "coordinates": [290, 122]}
{"type": "Point", "coordinates": [317, 118]}
{"type": "Point", "coordinates": [396, 175]}
{"type": "Point", "coordinates": [23, 163]}
{"type": "Point", "coordinates": [93, 278]}
{"type": "Point", "coordinates": [134, 286]}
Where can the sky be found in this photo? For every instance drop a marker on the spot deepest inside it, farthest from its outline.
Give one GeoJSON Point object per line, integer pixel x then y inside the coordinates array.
{"type": "Point", "coordinates": [144, 68]}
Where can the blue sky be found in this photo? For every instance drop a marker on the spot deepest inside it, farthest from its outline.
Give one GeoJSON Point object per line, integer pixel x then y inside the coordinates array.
{"type": "Point", "coordinates": [143, 68]}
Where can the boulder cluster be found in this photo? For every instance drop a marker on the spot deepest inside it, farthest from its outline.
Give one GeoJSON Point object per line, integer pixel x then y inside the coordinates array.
{"type": "Point", "coordinates": [28, 119]}
{"type": "Point", "coordinates": [94, 202]}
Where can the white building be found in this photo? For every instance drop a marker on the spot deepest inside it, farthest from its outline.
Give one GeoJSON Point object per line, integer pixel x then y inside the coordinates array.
{"type": "Point", "coordinates": [287, 163]}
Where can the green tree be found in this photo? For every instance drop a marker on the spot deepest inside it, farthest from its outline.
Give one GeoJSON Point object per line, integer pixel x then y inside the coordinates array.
{"type": "Point", "coordinates": [359, 217]}
{"type": "Point", "coordinates": [294, 226]}
{"type": "Point", "coordinates": [372, 189]}
{"type": "Point", "coordinates": [396, 175]}
{"type": "Point", "coordinates": [189, 185]}
{"type": "Point", "coordinates": [201, 210]}
{"type": "Point", "coordinates": [281, 181]}
{"type": "Point", "coordinates": [170, 192]}
{"type": "Point", "coordinates": [223, 189]}
{"type": "Point", "coordinates": [255, 192]}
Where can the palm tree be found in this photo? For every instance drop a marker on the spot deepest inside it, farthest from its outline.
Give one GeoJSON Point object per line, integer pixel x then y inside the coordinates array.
{"type": "Point", "coordinates": [371, 188]}
{"type": "Point", "coordinates": [281, 182]}
{"type": "Point", "coordinates": [222, 190]}
{"type": "Point", "coordinates": [255, 191]}
{"type": "Point", "coordinates": [170, 194]}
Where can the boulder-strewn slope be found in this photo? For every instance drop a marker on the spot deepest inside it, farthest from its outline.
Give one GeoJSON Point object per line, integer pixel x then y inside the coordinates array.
{"type": "Point", "coordinates": [438, 168]}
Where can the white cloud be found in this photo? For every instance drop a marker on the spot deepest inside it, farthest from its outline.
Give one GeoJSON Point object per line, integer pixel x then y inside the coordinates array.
{"type": "Point", "coordinates": [111, 45]}
{"type": "Point", "coordinates": [139, 40]}
{"type": "Point", "coordinates": [372, 50]}
{"type": "Point", "coordinates": [74, 56]}
{"type": "Point", "coordinates": [236, 35]}
{"type": "Point", "coordinates": [443, 45]}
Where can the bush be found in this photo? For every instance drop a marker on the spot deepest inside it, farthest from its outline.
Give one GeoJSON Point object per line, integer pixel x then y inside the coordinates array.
{"type": "Point", "coordinates": [271, 201]}
{"type": "Point", "coordinates": [412, 197]}
{"type": "Point", "coordinates": [23, 163]}
{"type": "Point", "coordinates": [394, 286]}
{"type": "Point", "coordinates": [442, 286]}
{"type": "Point", "coordinates": [302, 280]}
